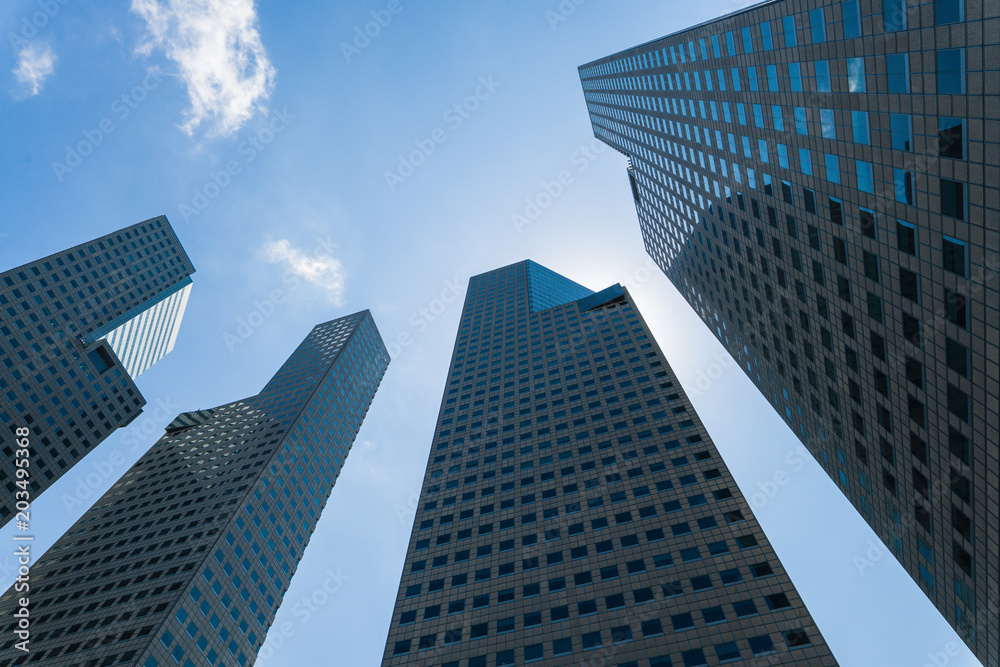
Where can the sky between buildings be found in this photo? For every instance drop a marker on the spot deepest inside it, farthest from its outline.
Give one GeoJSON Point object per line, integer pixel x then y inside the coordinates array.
{"type": "Point", "coordinates": [317, 159]}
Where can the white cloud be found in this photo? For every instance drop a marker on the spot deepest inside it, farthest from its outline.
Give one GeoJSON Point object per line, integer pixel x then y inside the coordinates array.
{"type": "Point", "coordinates": [35, 63]}
{"type": "Point", "coordinates": [318, 268]}
{"type": "Point", "coordinates": [219, 52]}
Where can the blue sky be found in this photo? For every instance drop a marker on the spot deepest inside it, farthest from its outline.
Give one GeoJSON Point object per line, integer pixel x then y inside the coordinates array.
{"type": "Point", "coordinates": [310, 173]}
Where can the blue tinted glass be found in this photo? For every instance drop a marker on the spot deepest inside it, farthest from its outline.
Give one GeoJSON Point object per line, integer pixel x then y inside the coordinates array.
{"type": "Point", "coordinates": [789, 25]}
{"type": "Point", "coordinates": [817, 23]}
{"type": "Point", "coordinates": [805, 159]}
{"type": "Point", "coordinates": [795, 76]}
{"type": "Point", "coordinates": [902, 131]}
{"type": "Point", "coordinates": [856, 75]}
{"type": "Point", "coordinates": [949, 11]}
{"type": "Point", "coordinates": [865, 180]}
{"type": "Point", "coordinates": [747, 41]}
{"type": "Point", "coordinates": [859, 120]}
{"type": "Point", "coordinates": [894, 15]}
{"type": "Point", "coordinates": [801, 125]}
{"type": "Point", "coordinates": [832, 169]}
{"type": "Point", "coordinates": [765, 35]}
{"type": "Point", "coordinates": [898, 75]}
{"type": "Point", "coordinates": [779, 123]}
{"type": "Point", "coordinates": [852, 18]}
{"type": "Point", "coordinates": [826, 119]}
{"type": "Point", "coordinates": [822, 76]}
{"type": "Point", "coordinates": [951, 72]}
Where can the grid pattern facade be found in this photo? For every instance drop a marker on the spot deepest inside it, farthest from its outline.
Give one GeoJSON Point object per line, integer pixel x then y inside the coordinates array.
{"type": "Point", "coordinates": [575, 511]}
{"type": "Point", "coordinates": [820, 180]}
{"type": "Point", "coordinates": [69, 388]}
{"type": "Point", "coordinates": [185, 560]}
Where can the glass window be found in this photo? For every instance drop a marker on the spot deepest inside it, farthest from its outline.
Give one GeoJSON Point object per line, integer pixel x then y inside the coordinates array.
{"type": "Point", "coordinates": [856, 75]}
{"type": "Point", "coordinates": [859, 120]}
{"type": "Point", "coordinates": [783, 156]}
{"type": "Point", "coordinates": [901, 126]}
{"type": "Point", "coordinates": [762, 148]}
{"type": "Point", "coordinates": [817, 24]}
{"type": "Point", "coordinates": [758, 115]}
{"type": "Point", "coordinates": [752, 76]}
{"type": "Point", "coordinates": [951, 72]}
{"type": "Point", "coordinates": [826, 119]}
{"type": "Point", "coordinates": [789, 25]}
{"type": "Point", "coordinates": [765, 35]}
{"type": "Point", "coordinates": [894, 15]}
{"type": "Point", "coordinates": [949, 11]}
{"type": "Point", "coordinates": [801, 125]}
{"type": "Point", "coordinates": [898, 72]}
{"type": "Point", "coordinates": [779, 123]}
{"type": "Point", "coordinates": [772, 78]}
{"type": "Point", "coordinates": [906, 237]}
{"type": "Point", "coordinates": [951, 138]}
{"type": "Point", "coordinates": [953, 199]}
{"type": "Point", "coordinates": [954, 256]}
{"type": "Point", "coordinates": [747, 41]}
{"type": "Point", "coordinates": [795, 77]}
{"type": "Point", "coordinates": [832, 169]}
{"type": "Point", "coordinates": [865, 180]}
{"type": "Point", "coordinates": [822, 76]}
{"type": "Point", "coordinates": [805, 159]}
{"type": "Point", "coordinates": [903, 184]}
{"type": "Point", "coordinates": [736, 78]}
{"type": "Point", "coordinates": [730, 43]}
{"type": "Point", "coordinates": [852, 18]}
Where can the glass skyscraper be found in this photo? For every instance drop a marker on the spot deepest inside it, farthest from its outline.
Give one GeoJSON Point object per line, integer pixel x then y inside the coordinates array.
{"type": "Point", "coordinates": [574, 510]}
{"type": "Point", "coordinates": [185, 560]}
{"type": "Point", "coordinates": [77, 328]}
{"type": "Point", "coordinates": [819, 179]}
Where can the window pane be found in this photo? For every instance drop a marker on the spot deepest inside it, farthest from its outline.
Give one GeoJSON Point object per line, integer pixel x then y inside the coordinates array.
{"type": "Point", "coordinates": [906, 235]}
{"type": "Point", "coordinates": [902, 131]}
{"type": "Point", "coordinates": [779, 123]}
{"type": "Point", "coordinates": [832, 169]}
{"type": "Point", "coordinates": [898, 75]}
{"type": "Point", "coordinates": [747, 41]}
{"type": "Point", "coordinates": [765, 35]}
{"type": "Point", "coordinates": [801, 125]}
{"type": "Point", "coordinates": [772, 78]}
{"type": "Point", "coordinates": [805, 158]}
{"type": "Point", "coordinates": [795, 76]}
{"type": "Point", "coordinates": [829, 126]}
{"type": "Point", "coordinates": [903, 182]}
{"type": "Point", "coordinates": [852, 19]}
{"type": "Point", "coordinates": [856, 75]}
{"type": "Point", "coordinates": [894, 15]}
{"type": "Point", "coordinates": [949, 11]}
{"type": "Point", "coordinates": [789, 24]}
{"type": "Point", "coordinates": [822, 76]}
{"type": "Point", "coordinates": [951, 138]}
{"type": "Point", "coordinates": [954, 256]}
{"type": "Point", "coordinates": [817, 23]}
{"type": "Point", "coordinates": [951, 72]}
{"type": "Point", "coordinates": [865, 181]}
{"type": "Point", "coordinates": [953, 199]}
{"type": "Point", "coordinates": [859, 119]}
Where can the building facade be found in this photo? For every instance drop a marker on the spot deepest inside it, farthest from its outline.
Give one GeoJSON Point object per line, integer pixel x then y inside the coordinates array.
{"type": "Point", "coordinates": [185, 560]}
{"type": "Point", "coordinates": [574, 510]}
{"type": "Point", "coordinates": [819, 179]}
{"type": "Point", "coordinates": [78, 327]}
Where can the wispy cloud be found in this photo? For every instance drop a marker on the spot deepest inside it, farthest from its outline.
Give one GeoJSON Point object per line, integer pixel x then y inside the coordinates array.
{"type": "Point", "coordinates": [219, 52]}
{"type": "Point", "coordinates": [35, 63]}
{"type": "Point", "coordinates": [319, 268]}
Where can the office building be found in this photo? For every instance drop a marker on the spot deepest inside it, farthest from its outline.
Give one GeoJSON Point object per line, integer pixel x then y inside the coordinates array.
{"type": "Point", "coordinates": [185, 560]}
{"type": "Point", "coordinates": [78, 327]}
{"type": "Point", "coordinates": [574, 510]}
{"type": "Point", "coordinates": [819, 179]}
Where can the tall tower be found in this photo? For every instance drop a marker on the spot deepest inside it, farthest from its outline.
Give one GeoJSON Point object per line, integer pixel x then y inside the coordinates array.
{"type": "Point", "coordinates": [575, 509]}
{"type": "Point", "coordinates": [185, 560]}
{"type": "Point", "coordinates": [818, 179]}
{"type": "Point", "coordinates": [78, 327]}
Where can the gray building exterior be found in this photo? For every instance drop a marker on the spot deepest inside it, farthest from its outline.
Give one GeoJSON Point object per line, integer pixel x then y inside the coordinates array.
{"type": "Point", "coordinates": [821, 181]}
{"type": "Point", "coordinates": [574, 510]}
{"type": "Point", "coordinates": [77, 327]}
{"type": "Point", "coordinates": [185, 560]}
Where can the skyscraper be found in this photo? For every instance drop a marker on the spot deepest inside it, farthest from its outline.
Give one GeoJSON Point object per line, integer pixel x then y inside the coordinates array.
{"type": "Point", "coordinates": [574, 510]}
{"type": "Point", "coordinates": [185, 560]}
{"type": "Point", "coordinates": [77, 328]}
{"type": "Point", "coordinates": [819, 180]}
